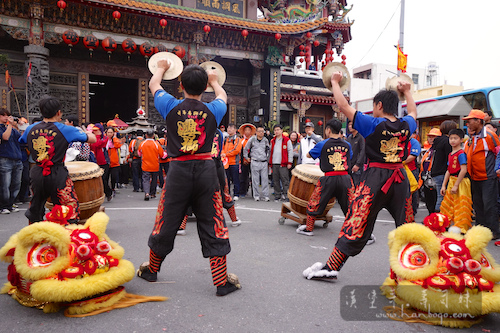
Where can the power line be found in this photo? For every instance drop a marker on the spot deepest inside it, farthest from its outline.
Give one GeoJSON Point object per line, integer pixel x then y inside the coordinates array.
{"type": "Point", "coordinates": [399, 4]}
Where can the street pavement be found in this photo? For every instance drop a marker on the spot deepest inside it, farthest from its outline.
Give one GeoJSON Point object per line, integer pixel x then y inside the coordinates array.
{"type": "Point", "coordinates": [268, 258]}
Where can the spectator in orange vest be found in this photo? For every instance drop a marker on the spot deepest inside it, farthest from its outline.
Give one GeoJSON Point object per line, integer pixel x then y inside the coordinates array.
{"type": "Point", "coordinates": [231, 150]}
{"type": "Point", "coordinates": [150, 152]}
{"type": "Point", "coordinates": [113, 147]}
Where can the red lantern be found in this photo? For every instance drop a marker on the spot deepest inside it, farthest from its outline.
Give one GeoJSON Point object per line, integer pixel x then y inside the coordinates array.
{"type": "Point", "coordinates": [277, 37]}
{"type": "Point", "coordinates": [316, 43]}
{"type": "Point", "coordinates": [117, 15]}
{"type": "Point", "coordinates": [301, 53]}
{"type": "Point", "coordinates": [179, 51]}
{"type": "Point", "coordinates": [308, 48]}
{"type": "Point", "coordinates": [301, 60]}
{"type": "Point", "coordinates": [109, 45]}
{"type": "Point", "coordinates": [302, 47]}
{"type": "Point", "coordinates": [146, 50]}
{"type": "Point", "coordinates": [343, 57]}
{"type": "Point", "coordinates": [309, 35]}
{"type": "Point", "coordinates": [343, 62]}
{"type": "Point", "coordinates": [206, 29]}
{"type": "Point", "coordinates": [331, 52]}
{"type": "Point", "coordinates": [61, 4]}
{"type": "Point", "coordinates": [308, 120]}
{"type": "Point", "coordinates": [129, 46]}
{"type": "Point", "coordinates": [320, 122]}
{"type": "Point", "coordinates": [71, 38]}
{"type": "Point", "coordinates": [244, 33]}
{"type": "Point", "coordinates": [163, 23]}
{"type": "Point", "coordinates": [91, 42]}
{"type": "Point", "coordinates": [160, 48]}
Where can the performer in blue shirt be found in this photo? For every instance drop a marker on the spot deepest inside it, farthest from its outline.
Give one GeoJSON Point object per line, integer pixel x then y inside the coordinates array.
{"type": "Point", "coordinates": [334, 156]}
{"type": "Point", "coordinates": [384, 184]}
{"type": "Point", "coordinates": [192, 176]}
{"type": "Point", "coordinates": [47, 142]}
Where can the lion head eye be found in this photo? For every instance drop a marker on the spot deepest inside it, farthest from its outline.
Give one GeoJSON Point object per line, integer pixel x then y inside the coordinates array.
{"type": "Point", "coordinates": [413, 256]}
{"type": "Point", "coordinates": [42, 255]}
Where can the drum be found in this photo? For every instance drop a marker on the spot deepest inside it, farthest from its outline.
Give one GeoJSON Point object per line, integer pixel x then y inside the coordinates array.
{"type": "Point", "coordinates": [304, 180]}
{"type": "Point", "coordinates": [86, 177]}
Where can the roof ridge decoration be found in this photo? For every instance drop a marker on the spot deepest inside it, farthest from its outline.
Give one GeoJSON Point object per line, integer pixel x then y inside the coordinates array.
{"type": "Point", "coordinates": [216, 18]}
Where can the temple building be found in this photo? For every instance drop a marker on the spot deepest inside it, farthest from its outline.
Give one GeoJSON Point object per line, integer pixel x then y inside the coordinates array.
{"type": "Point", "coordinates": [93, 54]}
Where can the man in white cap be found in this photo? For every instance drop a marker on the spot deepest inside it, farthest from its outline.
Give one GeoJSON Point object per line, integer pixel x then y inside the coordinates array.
{"type": "Point", "coordinates": [308, 143]}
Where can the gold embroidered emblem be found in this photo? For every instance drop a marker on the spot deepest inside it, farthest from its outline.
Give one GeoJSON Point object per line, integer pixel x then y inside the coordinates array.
{"type": "Point", "coordinates": [187, 131]}
{"type": "Point", "coordinates": [336, 160]}
{"type": "Point", "coordinates": [391, 150]}
{"type": "Point", "coordinates": [41, 146]}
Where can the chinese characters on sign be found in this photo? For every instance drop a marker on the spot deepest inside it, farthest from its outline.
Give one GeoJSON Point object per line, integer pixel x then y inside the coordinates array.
{"type": "Point", "coordinates": [232, 7]}
{"type": "Point", "coordinates": [274, 106]}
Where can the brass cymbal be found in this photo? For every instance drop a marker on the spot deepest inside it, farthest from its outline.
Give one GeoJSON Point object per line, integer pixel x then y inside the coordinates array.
{"type": "Point", "coordinates": [336, 67]}
{"type": "Point", "coordinates": [221, 73]}
{"type": "Point", "coordinates": [176, 65]}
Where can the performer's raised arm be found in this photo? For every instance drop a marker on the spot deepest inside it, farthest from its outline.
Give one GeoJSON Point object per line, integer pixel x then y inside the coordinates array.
{"type": "Point", "coordinates": [155, 82]}
{"type": "Point", "coordinates": [342, 103]}
{"type": "Point", "coordinates": [220, 93]}
{"type": "Point", "coordinates": [405, 88]}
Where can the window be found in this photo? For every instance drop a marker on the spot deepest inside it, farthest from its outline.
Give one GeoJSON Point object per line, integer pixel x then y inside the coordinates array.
{"type": "Point", "coordinates": [414, 78]}
{"type": "Point", "coordinates": [494, 98]}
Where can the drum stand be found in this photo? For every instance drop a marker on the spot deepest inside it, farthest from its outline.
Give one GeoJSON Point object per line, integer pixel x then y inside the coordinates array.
{"type": "Point", "coordinates": [287, 212]}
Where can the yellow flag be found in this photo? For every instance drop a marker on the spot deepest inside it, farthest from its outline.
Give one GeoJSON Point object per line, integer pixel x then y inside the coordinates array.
{"type": "Point", "coordinates": [402, 60]}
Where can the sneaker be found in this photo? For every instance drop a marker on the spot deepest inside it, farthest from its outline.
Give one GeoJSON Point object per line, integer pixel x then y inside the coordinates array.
{"type": "Point", "coordinates": [266, 199]}
{"type": "Point", "coordinates": [236, 223]}
{"type": "Point", "coordinates": [181, 232]}
{"type": "Point", "coordinates": [14, 209]}
{"type": "Point", "coordinates": [153, 196]}
{"type": "Point", "coordinates": [146, 197]}
{"type": "Point", "coordinates": [302, 230]}
{"type": "Point", "coordinates": [277, 200]}
{"type": "Point", "coordinates": [319, 272]}
{"type": "Point", "coordinates": [257, 199]}
{"type": "Point", "coordinates": [5, 211]}
{"type": "Point", "coordinates": [497, 243]}
{"type": "Point", "coordinates": [144, 273]}
{"type": "Point", "coordinates": [371, 240]}
{"type": "Point", "coordinates": [15, 206]}
{"type": "Point", "coordinates": [232, 284]}
{"type": "Point", "coordinates": [235, 198]}
{"type": "Point", "coordinates": [110, 198]}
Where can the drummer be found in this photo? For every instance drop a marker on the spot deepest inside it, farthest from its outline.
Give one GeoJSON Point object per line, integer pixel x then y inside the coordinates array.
{"type": "Point", "coordinates": [47, 143]}
{"type": "Point", "coordinates": [192, 176]}
{"type": "Point", "coordinates": [384, 184]}
{"type": "Point", "coordinates": [334, 156]}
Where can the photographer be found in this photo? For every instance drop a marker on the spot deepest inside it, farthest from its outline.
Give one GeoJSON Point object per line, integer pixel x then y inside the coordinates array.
{"type": "Point", "coordinates": [11, 166]}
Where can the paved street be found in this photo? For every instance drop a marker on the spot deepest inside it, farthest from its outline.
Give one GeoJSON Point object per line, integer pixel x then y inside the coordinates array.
{"type": "Point", "coordinates": [267, 257]}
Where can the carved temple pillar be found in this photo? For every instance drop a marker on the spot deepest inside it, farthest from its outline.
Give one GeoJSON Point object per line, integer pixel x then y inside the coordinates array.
{"type": "Point", "coordinates": [275, 94]}
{"type": "Point", "coordinates": [37, 64]}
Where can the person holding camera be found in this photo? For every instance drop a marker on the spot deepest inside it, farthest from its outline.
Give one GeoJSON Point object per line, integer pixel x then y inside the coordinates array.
{"type": "Point", "coordinates": [11, 165]}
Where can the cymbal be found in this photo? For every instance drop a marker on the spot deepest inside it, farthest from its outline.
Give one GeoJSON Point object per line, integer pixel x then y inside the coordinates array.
{"type": "Point", "coordinates": [336, 67]}
{"type": "Point", "coordinates": [392, 84]}
{"type": "Point", "coordinates": [221, 73]}
{"type": "Point", "coordinates": [176, 65]}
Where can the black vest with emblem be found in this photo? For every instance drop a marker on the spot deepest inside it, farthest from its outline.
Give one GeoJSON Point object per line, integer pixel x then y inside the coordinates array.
{"type": "Point", "coordinates": [335, 156]}
{"type": "Point", "coordinates": [388, 142]}
{"type": "Point", "coordinates": [191, 128]}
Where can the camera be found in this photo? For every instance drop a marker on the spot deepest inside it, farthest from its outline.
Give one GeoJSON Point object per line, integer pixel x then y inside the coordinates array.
{"type": "Point", "coordinates": [16, 119]}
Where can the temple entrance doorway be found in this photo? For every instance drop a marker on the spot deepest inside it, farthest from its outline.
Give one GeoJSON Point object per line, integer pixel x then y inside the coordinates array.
{"type": "Point", "coordinates": [109, 96]}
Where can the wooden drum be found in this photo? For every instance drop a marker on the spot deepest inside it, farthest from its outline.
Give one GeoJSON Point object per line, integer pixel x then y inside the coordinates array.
{"type": "Point", "coordinates": [304, 180]}
{"type": "Point", "coordinates": [86, 177]}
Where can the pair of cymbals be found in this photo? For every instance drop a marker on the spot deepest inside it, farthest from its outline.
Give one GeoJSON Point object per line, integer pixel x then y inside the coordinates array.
{"type": "Point", "coordinates": [392, 84]}
{"type": "Point", "coordinates": [176, 67]}
{"type": "Point", "coordinates": [333, 67]}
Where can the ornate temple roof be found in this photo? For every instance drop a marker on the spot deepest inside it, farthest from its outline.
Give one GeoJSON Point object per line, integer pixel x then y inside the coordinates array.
{"type": "Point", "coordinates": [174, 11]}
{"type": "Point", "coordinates": [315, 99]}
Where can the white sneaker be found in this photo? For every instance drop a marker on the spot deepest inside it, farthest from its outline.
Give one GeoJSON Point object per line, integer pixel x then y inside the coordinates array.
{"type": "Point", "coordinates": [302, 230]}
{"type": "Point", "coordinates": [316, 272]}
{"type": "Point", "coordinates": [266, 199]}
{"type": "Point", "coordinates": [257, 199]}
{"type": "Point", "coordinates": [14, 209]}
{"type": "Point", "coordinates": [5, 211]}
{"type": "Point", "coordinates": [235, 198]}
{"type": "Point", "coordinates": [181, 232]}
{"type": "Point", "coordinates": [236, 223]}
{"type": "Point", "coordinates": [371, 240]}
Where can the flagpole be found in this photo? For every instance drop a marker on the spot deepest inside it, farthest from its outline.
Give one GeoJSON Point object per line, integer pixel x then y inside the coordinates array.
{"type": "Point", "coordinates": [26, 96]}
{"type": "Point", "coordinates": [401, 42]}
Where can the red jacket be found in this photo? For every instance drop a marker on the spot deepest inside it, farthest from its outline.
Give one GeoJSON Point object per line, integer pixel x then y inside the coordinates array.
{"type": "Point", "coordinates": [284, 151]}
{"type": "Point", "coordinates": [97, 148]}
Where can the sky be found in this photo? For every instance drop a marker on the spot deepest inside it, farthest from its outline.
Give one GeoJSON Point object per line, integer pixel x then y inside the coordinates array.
{"type": "Point", "coordinates": [461, 36]}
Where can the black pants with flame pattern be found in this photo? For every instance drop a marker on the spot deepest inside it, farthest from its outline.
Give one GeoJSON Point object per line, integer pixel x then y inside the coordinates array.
{"type": "Point", "coordinates": [191, 183]}
{"type": "Point", "coordinates": [58, 186]}
{"type": "Point", "coordinates": [366, 201]}
{"type": "Point", "coordinates": [329, 187]}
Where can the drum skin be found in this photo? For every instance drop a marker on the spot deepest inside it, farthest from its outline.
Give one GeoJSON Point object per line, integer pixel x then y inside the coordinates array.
{"type": "Point", "coordinates": [304, 180]}
{"type": "Point", "coordinates": [86, 177]}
